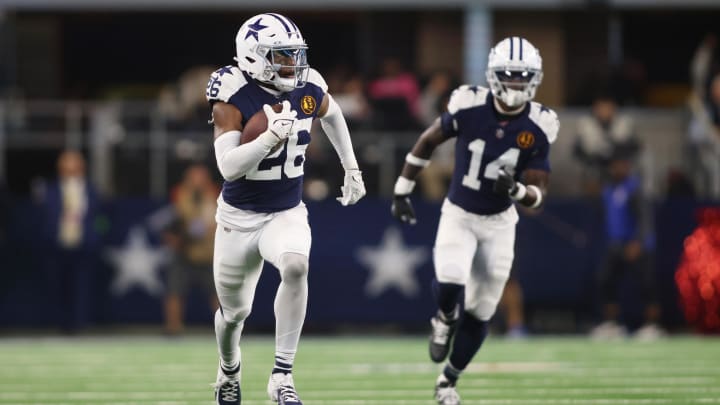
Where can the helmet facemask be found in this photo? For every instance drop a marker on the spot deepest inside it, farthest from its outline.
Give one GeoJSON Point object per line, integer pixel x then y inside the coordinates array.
{"type": "Point", "coordinates": [286, 67]}
{"type": "Point", "coordinates": [513, 86]}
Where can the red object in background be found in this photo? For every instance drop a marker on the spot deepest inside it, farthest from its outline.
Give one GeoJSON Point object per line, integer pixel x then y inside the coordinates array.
{"type": "Point", "coordinates": [698, 275]}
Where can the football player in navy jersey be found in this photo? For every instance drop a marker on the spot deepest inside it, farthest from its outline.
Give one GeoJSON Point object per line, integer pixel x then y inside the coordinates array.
{"type": "Point", "coordinates": [501, 156]}
{"type": "Point", "coordinates": [260, 213]}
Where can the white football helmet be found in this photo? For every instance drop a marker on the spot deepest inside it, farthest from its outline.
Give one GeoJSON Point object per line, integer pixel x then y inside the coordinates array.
{"type": "Point", "coordinates": [271, 49]}
{"type": "Point", "coordinates": [514, 71]}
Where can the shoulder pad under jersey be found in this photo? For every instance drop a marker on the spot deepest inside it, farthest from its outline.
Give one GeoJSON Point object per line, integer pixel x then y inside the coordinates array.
{"type": "Point", "coordinates": [546, 119]}
{"type": "Point", "coordinates": [467, 96]}
{"type": "Point", "coordinates": [224, 83]}
{"type": "Point", "coordinates": [316, 78]}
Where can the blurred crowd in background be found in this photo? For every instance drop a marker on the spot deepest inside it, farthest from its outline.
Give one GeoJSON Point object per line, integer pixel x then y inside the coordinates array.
{"type": "Point", "coordinates": [144, 134]}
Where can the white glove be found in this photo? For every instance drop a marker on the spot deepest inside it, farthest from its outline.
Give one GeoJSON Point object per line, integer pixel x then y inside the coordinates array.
{"type": "Point", "coordinates": [280, 123]}
{"type": "Point", "coordinates": [353, 189]}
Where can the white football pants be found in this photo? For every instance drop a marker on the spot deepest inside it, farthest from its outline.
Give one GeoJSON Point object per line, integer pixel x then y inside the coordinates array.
{"type": "Point", "coordinates": [475, 251]}
{"type": "Point", "coordinates": [284, 240]}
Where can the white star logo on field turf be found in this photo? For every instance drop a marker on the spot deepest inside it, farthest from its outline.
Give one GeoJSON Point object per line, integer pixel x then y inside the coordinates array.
{"type": "Point", "coordinates": [137, 264]}
{"type": "Point", "coordinates": [392, 264]}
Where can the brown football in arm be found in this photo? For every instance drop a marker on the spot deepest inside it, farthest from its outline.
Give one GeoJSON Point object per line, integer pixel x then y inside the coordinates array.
{"type": "Point", "coordinates": [256, 125]}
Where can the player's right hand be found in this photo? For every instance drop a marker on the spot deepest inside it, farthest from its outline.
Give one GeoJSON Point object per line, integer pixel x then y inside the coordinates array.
{"type": "Point", "coordinates": [402, 209]}
{"type": "Point", "coordinates": [280, 123]}
{"type": "Point", "coordinates": [505, 184]}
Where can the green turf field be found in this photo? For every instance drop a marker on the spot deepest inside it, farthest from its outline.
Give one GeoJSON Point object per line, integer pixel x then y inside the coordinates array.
{"type": "Point", "coordinates": [361, 371]}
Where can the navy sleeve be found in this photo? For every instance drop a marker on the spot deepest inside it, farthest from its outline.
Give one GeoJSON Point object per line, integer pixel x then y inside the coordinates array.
{"type": "Point", "coordinates": [540, 159]}
{"type": "Point", "coordinates": [448, 125]}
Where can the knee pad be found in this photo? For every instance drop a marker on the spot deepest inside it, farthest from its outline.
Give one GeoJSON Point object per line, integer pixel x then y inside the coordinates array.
{"type": "Point", "coordinates": [481, 309]}
{"type": "Point", "coordinates": [235, 316]}
{"type": "Point", "coordinates": [451, 274]}
{"type": "Point", "coordinates": [293, 267]}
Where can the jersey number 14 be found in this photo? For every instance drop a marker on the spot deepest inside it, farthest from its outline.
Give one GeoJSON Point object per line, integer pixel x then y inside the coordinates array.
{"type": "Point", "coordinates": [477, 148]}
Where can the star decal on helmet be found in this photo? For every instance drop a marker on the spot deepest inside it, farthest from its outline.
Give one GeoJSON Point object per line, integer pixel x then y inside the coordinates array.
{"type": "Point", "coordinates": [254, 28]}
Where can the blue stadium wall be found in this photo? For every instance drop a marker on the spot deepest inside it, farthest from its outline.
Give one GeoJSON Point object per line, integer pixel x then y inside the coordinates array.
{"type": "Point", "coordinates": [366, 270]}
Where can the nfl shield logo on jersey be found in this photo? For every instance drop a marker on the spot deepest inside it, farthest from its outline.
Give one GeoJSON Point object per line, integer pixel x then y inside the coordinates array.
{"type": "Point", "coordinates": [499, 133]}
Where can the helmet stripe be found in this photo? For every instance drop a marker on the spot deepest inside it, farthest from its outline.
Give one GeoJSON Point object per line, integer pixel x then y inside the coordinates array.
{"type": "Point", "coordinates": [293, 24]}
{"type": "Point", "coordinates": [511, 48]}
{"type": "Point", "coordinates": [279, 18]}
{"type": "Point", "coordinates": [521, 43]}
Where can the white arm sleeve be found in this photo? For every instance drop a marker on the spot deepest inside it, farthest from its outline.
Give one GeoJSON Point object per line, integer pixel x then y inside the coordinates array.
{"type": "Point", "coordinates": [336, 129]}
{"type": "Point", "coordinates": [234, 160]}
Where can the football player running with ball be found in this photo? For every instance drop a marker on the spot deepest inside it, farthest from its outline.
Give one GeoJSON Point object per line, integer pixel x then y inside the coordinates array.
{"type": "Point", "coordinates": [501, 157]}
{"type": "Point", "coordinates": [260, 214]}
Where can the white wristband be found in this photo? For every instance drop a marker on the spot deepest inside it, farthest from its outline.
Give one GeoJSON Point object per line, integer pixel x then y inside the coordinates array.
{"type": "Point", "coordinates": [404, 186]}
{"type": "Point", "coordinates": [520, 193]}
{"type": "Point", "coordinates": [538, 195]}
{"type": "Point", "coordinates": [416, 161]}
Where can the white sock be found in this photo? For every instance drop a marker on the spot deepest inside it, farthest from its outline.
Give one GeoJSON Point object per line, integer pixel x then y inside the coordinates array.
{"type": "Point", "coordinates": [283, 362]}
{"type": "Point", "coordinates": [228, 340]}
{"type": "Point", "coordinates": [290, 308]}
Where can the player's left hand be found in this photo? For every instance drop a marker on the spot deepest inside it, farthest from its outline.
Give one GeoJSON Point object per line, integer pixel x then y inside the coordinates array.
{"type": "Point", "coordinates": [353, 188]}
{"type": "Point", "coordinates": [505, 182]}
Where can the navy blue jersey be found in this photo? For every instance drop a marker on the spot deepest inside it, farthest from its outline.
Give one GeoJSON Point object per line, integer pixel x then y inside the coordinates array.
{"type": "Point", "coordinates": [485, 143]}
{"type": "Point", "coordinates": [276, 183]}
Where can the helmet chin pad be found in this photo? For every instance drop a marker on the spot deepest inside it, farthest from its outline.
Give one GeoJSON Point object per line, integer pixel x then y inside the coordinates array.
{"type": "Point", "coordinates": [286, 84]}
{"type": "Point", "coordinates": [514, 98]}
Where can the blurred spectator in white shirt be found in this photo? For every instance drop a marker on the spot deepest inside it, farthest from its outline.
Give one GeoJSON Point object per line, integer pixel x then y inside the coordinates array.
{"type": "Point", "coordinates": [597, 136]}
{"type": "Point", "coordinates": [704, 129]}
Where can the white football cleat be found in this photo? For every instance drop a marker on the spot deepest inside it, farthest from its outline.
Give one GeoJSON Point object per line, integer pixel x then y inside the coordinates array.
{"type": "Point", "coordinates": [441, 336]}
{"type": "Point", "coordinates": [281, 389]}
{"type": "Point", "coordinates": [445, 392]}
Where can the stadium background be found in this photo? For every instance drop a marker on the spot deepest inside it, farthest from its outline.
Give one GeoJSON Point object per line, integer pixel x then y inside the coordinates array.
{"type": "Point", "coordinates": [95, 76]}
{"type": "Point", "coordinates": [89, 75]}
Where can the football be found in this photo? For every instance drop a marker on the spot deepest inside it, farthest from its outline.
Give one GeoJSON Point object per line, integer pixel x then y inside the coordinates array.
{"type": "Point", "coordinates": [256, 125]}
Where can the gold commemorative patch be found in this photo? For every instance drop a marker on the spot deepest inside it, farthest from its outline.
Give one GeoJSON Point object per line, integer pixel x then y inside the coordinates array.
{"type": "Point", "coordinates": [308, 104]}
{"type": "Point", "coordinates": [525, 139]}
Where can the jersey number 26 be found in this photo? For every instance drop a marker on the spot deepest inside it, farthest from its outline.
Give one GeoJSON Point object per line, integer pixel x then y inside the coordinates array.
{"type": "Point", "coordinates": [295, 153]}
